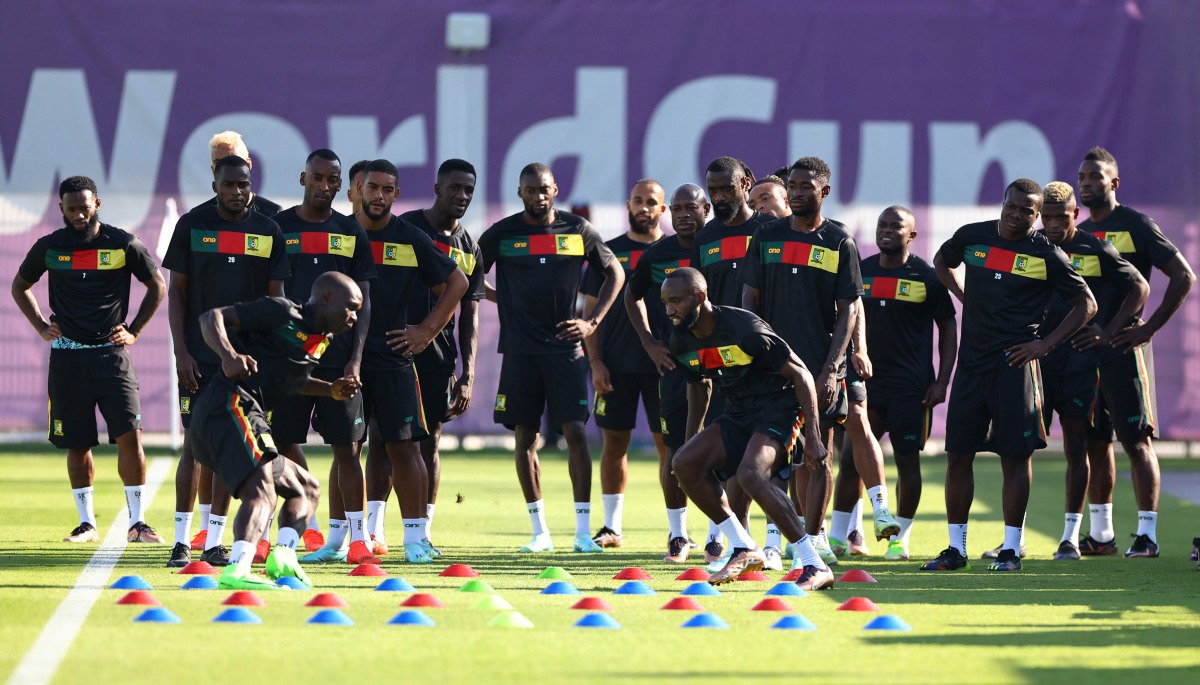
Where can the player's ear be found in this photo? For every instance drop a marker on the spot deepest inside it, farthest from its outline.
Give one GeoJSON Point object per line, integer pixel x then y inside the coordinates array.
{"type": "Point", "coordinates": [825, 190]}
{"type": "Point", "coordinates": [303, 175]}
{"type": "Point", "coordinates": [1116, 182]}
{"type": "Point", "coordinates": [214, 186]}
{"type": "Point", "coordinates": [97, 202]}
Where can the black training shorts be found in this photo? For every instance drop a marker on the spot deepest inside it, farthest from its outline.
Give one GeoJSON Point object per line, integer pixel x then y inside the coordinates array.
{"type": "Point", "coordinates": [392, 402]}
{"type": "Point", "coordinates": [1127, 402]}
{"type": "Point", "coordinates": [338, 422]}
{"type": "Point", "coordinates": [998, 410]}
{"type": "Point", "coordinates": [531, 383]}
{"type": "Point", "coordinates": [617, 410]}
{"type": "Point", "coordinates": [79, 381]}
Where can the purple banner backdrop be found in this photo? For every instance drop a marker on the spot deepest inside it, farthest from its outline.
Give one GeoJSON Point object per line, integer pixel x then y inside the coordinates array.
{"type": "Point", "coordinates": [935, 105]}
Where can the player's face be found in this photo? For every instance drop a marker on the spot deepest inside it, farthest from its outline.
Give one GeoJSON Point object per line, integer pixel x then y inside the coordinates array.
{"type": "Point", "coordinates": [378, 191]}
{"type": "Point", "coordinates": [1019, 212]}
{"type": "Point", "coordinates": [769, 198]}
{"type": "Point", "coordinates": [338, 311]}
{"type": "Point", "coordinates": [81, 210]}
{"type": "Point", "coordinates": [646, 206]}
{"type": "Point", "coordinates": [232, 186]}
{"type": "Point", "coordinates": [682, 303]}
{"type": "Point", "coordinates": [728, 191]}
{"type": "Point", "coordinates": [352, 192]}
{"type": "Point", "coordinates": [454, 192]}
{"type": "Point", "coordinates": [1058, 218]}
{"type": "Point", "coordinates": [689, 212]}
{"type": "Point", "coordinates": [322, 180]}
{"type": "Point", "coordinates": [1097, 183]}
{"type": "Point", "coordinates": [805, 192]}
{"type": "Point", "coordinates": [537, 192]}
{"type": "Point", "coordinates": [894, 231]}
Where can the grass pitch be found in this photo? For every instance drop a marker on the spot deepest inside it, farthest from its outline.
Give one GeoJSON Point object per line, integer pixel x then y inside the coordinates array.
{"type": "Point", "coordinates": [1112, 618]}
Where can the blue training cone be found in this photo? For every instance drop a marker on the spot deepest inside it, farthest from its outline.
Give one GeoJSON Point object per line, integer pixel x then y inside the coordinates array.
{"type": "Point", "coordinates": [701, 590]}
{"type": "Point", "coordinates": [157, 615]}
{"type": "Point", "coordinates": [786, 590]}
{"type": "Point", "coordinates": [395, 585]}
{"type": "Point", "coordinates": [130, 583]}
{"type": "Point", "coordinates": [794, 623]}
{"type": "Point", "coordinates": [888, 622]}
{"type": "Point", "coordinates": [411, 617]}
{"type": "Point", "coordinates": [706, 621]}
{"type": "Point", "coordinates": [634, 587]}
{"type": "Point", "coordinates": [237, 615]}
{"type": "Point", "coordinates": [598, 620]}
{"type": "Point", "coordinates": [292, 582]}
{"type": "Point", "coordinates": [562, 587]}
{"type": "Point", "coordinates": [201, 583]}
{"type": "Point", "coordinates": [332, 617]}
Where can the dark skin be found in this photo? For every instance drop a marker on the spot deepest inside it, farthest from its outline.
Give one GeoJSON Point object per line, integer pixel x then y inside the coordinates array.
{"type": "Point", "coordinates": [730, 195]}
{"type": "Point", "coordinates": [232, 186]}
{"type": "Point", "coordinates": [80, 210]}
{"type": "Point", "coordinates": [695, 462]}
{"type": "Point", "coordinates": [1098, 183]}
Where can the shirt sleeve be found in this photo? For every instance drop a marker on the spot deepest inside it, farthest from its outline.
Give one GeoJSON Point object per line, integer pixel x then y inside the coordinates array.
{"type": "Point", "coordinates": [362, 263]}
{"type": "Point", "coordinates": [34, 265]}
{"type": "Point", "coordinates": [941, 308]}
{"type": "Point", "coordinates": [489, 248]}
{"type": "Point", "coordinates": [760, 342]}
{"type": "Point", "coordinates": [1152, 241]}
{"type": "Point", "coordinates": [849, 275]}
{"type": "Point", "coordinates": [263, 314]}
{"type": "Point", "coordinates": [433, 265]}
{"type": "Point", "coordinates": [279, 266]}
{"type": "Point", "coordinates": [952, 250]}
{"type": "Point", "coordinates": [140, 263]}
{"type": "Point", "coordinates": [640, 280]}
{"type": "Point", "coordinates": [1116, 270]}
{"type": "Point", "coordinates": [179, 252]}
{"type": "Point", "coordinates": [598, 255]}
{"type": "Point", "coordinates": [1063, 279]}
{"type": "Point", "coordinates": [475, 288]}
{"type": "Point", "coordinates": [752, 264]}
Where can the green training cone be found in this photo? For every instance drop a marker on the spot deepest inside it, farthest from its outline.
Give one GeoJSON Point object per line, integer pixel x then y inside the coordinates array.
{"type": "Point", "coordinates": [477, 585]}
{"type": "Point", "coordinates": [555, 573]}
{"type": "Point", "coordinates": [510, 619]}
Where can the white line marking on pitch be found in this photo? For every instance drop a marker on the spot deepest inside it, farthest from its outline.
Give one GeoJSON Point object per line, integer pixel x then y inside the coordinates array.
{"type": "Point", "coordinates": [43, 658]}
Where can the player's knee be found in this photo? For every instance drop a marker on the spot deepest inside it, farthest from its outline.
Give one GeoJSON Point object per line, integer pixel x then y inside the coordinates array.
{"type": "Point", "coordinates": [573, 432]}
{"type": "Point", "coordinates": [1139, 450]}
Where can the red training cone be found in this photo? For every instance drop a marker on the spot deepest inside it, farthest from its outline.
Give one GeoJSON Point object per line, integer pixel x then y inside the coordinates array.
{"type": "Point", "coordinates": [772, 604]}
{"type": "Point", "coordinates": [198, 568]}
{"type": "Point", "coordinates": [694, 573]}
{"type": "Point", "coordinates": [139, 597]}
{"type": "Point", "coordinates": [858, 604]}
{"type": "Point", "coordinates": [327, 599]}
{"type": "Point", "coordinates": [368, 570]}
{"type": "Point", "coordinates": [793, 576]}
{"type": "Point", "coordinates": [857, 576]}
{"type": "Point", "coordinates": [753, 575]}
{"type": "Point", "coordinates": [632, 573]}
{"type": "Point", "coordinates": [682, 604]}
{"type": "Point", "coordinates": [423, 599]}
{"type": "Point", "coordinates": [592, 604]}
{"type": "Point", "coordinates": [459, 571]}
{"type": "Point", "coordinates": [243, 598]}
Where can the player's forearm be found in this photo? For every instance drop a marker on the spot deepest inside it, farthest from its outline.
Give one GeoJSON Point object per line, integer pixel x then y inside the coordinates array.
{"type": "Point", "coordinates": [23, 295]}
{"type": "Point", "coordinates": [947, 349]}
{"type": "Point", "coordinates": [1177, 291]}
{"type": "Point", "coordinates": [1083, 308]}
{"type": "Point", "coordinates": [858, 331]}
{"type": "Point", "coordinates": [639, 318]}
{"type": "Point", "coordinates": [948, 277]}
{"type": "Point", "coordinates": [443, 309]}
{"type": "Point", "coordinates": [592, 344]}
{"type": "Point", "coordinates": [750, 298]}
{"type": "Point", "coordinates": [1134, 300]}
{"type": "Point", "coordinates": [841, 335]}
{"type": "Point", "coordinates": [362, 326]}
{"type": "Point", "coordinates": [806, 396]}
{"type": "Point", "coordinates": [156, 290]}
{"type": "Point", "coordinates": [614, 282]}
{"type": "Point", "coordinates": [317, 387]}
{"type": "Point", "coordinates": [177, 315]}
{"type": "Point", "coordinates": [698, 395]}
{"type": "Point", "coordinates": [212, 327]}
{"type": "Point", "coordinates": [468, 336]}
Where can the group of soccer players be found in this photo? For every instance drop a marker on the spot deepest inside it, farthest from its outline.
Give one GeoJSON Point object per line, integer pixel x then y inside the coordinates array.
{"type": "Point", "coordinates": [753, 340]}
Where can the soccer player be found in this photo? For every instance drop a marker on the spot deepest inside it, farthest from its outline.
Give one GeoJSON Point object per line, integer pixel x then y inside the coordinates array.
{"type": "Point", "coordinates": [218, 255]}
{"type": "Point", "coordinates": [718, 255]}
{"type": "Point", "coordinates": [769, 196]}
{"type": "Point", "coordinates": [1069, 379]}
{"type": "Point", "coordinates": [1011, 273]}
{"type": "Point", "coordinates": [278, 342]}
{"type": "Point", "coordinates": [91, 265]}
{"type": "Point", "coordinates": [406, 260]}
{"type": "Point", "coordinates": [355, 176]}
{"type": "Point", "coordinates": [622, 372]}
{"type": "Point", "coordinates": [1127, 402]}
{"type": "Point", "coordinates": [445, 395]}
{"type": "Point", "coordinates": [228, 143]}
{"type": "Point", "coordinates": [319, 240]}
{"type": "Point", "coordinates": [766, 392]}
{"type": "Point", "coordinates": [538, 255]}
{"type": "Point", "coordinates": [802, 273]}
{"type": "Point", "coordinates": [903, 301]}
{"type": "Point", "coordinates": [648, 318]}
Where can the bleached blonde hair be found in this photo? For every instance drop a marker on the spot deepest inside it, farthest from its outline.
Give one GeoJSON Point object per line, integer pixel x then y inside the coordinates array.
{"type": "Point", "coordinates": [1057, 192]}
{"type": "Point", "coordinates": [231, 139]}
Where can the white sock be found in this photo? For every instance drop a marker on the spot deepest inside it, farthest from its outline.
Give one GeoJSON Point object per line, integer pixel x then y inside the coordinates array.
{"type": "Point", "coordinates": [429, 518]}
{"type": "Point", "coordinates": [412, 530]}
{"type": "Point", "coordinates": [1071, 528]}
{"type": "Point", "coordinates": [312, 523]}
{"type": "Point", "coordinates": [85, 505]}
{"type": "Point", "coordinates": [905, 529]}
{"type": "Point", "coordinates": [1148, 524]}
{"type": "Point", "coordinates": [216, 531]}
{"type": "Point", "coordinates": [204, 510]}
{"type": "Point", "coordinates": [242, 555]}
{"type": "Point", "coordinates": [614, 506]}
{"type": "Point", "coordinates": [376, 512]}
{"type": "Point", "coordinates": [270, 522]}
{"type": "Point", "coordinates": [1021, 540]}
{"type": "Point", "coordinates": [1102, 522]}
{"type": "Point", "coordinates": [840, 526]}
{"type": "Point", "coordinates": [183, 527]}
{"type": "Point", "coordinates": [288, 537]}
{"type": "Point", "coordinates": [737, 535]}
{"type": "Point", "coordinates": [774, 537]}
{"type": "Point", "coordinates": [354, 523]}
{"type": "Point", "coordinates": [807, 553]}
{"type": "Point", "coordinates": [855, 518]}
{"type": "Point", "coordinates": [714, 531]}
{"type": "Point", "coordinates": [583, 519]}
{"type": "Point", "coordinates": [1012, 537]}
{"type": "Point", "coordinates": [677, 522]}
{"type": "Point", "coordinates": [337, 532]}
{"type": "Point", "coordinates": [878, 496]}
{"type": "Point", "coordinates": [133, 500]}
{"type": "Point", "coordinates": [537, 517]}
{"type": "Point", "coordinates": [958, 537]}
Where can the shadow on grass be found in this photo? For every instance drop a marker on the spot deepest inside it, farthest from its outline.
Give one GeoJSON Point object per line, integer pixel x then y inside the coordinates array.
{"type": "Point", "coordinates": [1102, 635]}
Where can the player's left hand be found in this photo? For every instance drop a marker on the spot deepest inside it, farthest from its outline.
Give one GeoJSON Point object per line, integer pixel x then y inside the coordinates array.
{"type": "Point", "coordinates": [460, 396]}
{"type": "Point", "coordinates": [601, 378]}
{"type": "Point", "coordinates": [239, 366]}
{"type": "Point", "coordinates": [826, 388]}
{"type": "Point", "coordinates": [352, 370]}
{"type": "Point", "coordinates": [344, 388]}
{"type": "Point", "coordinates": [934, 395]}
{"type": "Point", "coordinates": [862, 365]}
{"type": "Point", "coordinates": [814, 454]}
{"type": "Point", "coordinates": [121, 336]}
{"type": "Point", "coordinates": [1091, 337]}
{"type": "Point", "coordinates": [1132, 337]}
{"type": "Point", "coordinates": [575, 329]}
{"type": "Point", "coordinates": [1023, 353]}
{"type": "Point", "coordinates": [410, 341]}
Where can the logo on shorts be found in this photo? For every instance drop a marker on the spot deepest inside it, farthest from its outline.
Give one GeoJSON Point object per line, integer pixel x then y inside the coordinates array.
{"type": "Point", "coordinates": [185, 405]}
{"type": "Point", "coordinates": [358, 420]}
{"type": "Point", "coordinates": [1022, 262]}
{"type": "Point", "coordinates": [58, 427]}
{"type": "Point", "coordinates": [601, 406]}
{"type": "Point", "coordinates": [663, 424]}
{"type": "Point", "coordinates": [501, 403]}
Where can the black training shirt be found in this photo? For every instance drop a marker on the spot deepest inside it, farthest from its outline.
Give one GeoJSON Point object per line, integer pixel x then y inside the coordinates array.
{"type": "Point", "coordinates": [659, 260]}
{"type": "Point", "coordinates": [719, 253]}
{"type": "Point", "coordinates": [282, 338]}
{"type": "Point", "coordinates": [621, 350]}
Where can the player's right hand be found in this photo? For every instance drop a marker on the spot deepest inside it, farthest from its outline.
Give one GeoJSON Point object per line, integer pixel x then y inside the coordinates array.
{"type": "Point", "coordinates": [826, 389]}
{"type": "Point", "coordinates": [660, 354]}
{"type": "Point", "coordinates": [601, 378]}
{"type": "Point", "coordinates": [187, 370]}
{"type": "Point", "coordinates": [1090, 337]}
{"type": "Point", "coordinates": [344, 388]}
{"type": "Point", "coordinates": [51, 332]}
{"type": "Point", "coordinates": [815, 454]}
{"type": "Point", "coordinates": [239, 366]}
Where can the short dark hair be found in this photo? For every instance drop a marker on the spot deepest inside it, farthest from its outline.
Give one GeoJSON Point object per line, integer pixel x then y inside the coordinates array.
{"type": "Point", "coordinates": [818, 167]}
{"type": "Point", "coordinates": [1099, 154]}
{"type": "Point", "coordinates": [452, 165]}
{"type": "Point", "coordinates": [1025, 186]}
{"type": "Point", "coordinates": [731, 164]}
{"type": "Point", "coordinates": [535, 169]}
{"type": "Point", "coordinates": [324, 153]}
{"type": "Point", "coordinates": [782, 171]}
{"type": "Point", "coordinates": [690, 276]}
{"type": "Point", "coordinates": [358, 167]}
{"type": "Point", "coordinates": [229, 161]}
{"type": "Point", "coordinates": [381, 166]}
{"type": "Point", "coordinates": [76, 184]}
{"type": "Point", "coordinates": [772, 178]}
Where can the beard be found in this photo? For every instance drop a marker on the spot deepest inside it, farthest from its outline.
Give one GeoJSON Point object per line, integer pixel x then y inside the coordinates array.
{"type": "Point", "coordinates": [91, 227]}
{"type": "Point", "coordinates": [637, 226]}
{"type": "Point", "coordinates": [891, 251]}
{"type": "Point", "coordinates": [688, 322]}
{"type": "Point", "coordinates": [1095, 202]}
{"type": "Point", "coordinates": [726, 211]}
{"type": "Point", "coordinates": [366, 209]}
